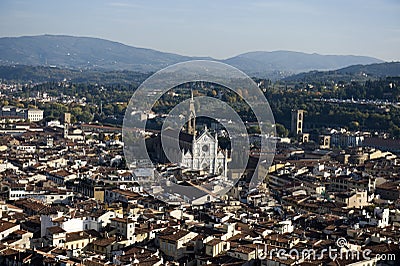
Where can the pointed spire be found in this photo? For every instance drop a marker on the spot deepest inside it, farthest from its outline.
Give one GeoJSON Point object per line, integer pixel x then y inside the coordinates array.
{"type": "Point", "coordinates": [192, 116]}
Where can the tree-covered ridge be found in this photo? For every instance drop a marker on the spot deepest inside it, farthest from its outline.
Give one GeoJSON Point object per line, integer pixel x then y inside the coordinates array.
{"type": "Point", "coordinates": [358, 105]}
{"type": "Point", "coordinates": [371, 105]}
{"type": "Point", "coordinates": [351, 73]}
{"type": "Point", "coordinates": [40, 74]}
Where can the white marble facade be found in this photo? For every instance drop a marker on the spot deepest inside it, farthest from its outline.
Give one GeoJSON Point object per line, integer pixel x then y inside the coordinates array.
{"type": "Point", "coordinates": [205, 155]}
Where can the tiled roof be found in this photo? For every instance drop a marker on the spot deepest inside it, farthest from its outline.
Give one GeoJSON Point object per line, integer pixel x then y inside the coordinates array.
{"type": "Point", "coordinates": [4, 225]}
{"type": "Point", "coordinates": [175, 236]}
{"type": "Point", "coordinates": [104, 241]}
{"type": "Point", "coordinates": [55, 230]}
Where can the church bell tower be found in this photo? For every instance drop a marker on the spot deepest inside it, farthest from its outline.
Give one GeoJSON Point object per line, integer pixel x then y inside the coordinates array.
{"type": "Point", "coordinates": [191, 129]}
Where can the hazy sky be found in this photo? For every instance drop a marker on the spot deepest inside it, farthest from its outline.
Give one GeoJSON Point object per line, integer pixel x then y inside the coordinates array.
{"type": "Point", "coordinates": [217, 28]}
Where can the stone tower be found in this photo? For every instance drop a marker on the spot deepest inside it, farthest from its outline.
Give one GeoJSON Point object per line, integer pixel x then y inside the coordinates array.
{"type": "Point", "coordinates": [297, 122]}
{"type": "Point", "coordinates": [192, 117]}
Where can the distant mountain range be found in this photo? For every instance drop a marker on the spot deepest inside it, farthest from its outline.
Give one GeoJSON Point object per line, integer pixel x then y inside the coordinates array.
{"type": "Point", "coordinates": [294, 62]}
{"type": "Point", "coordinates": [355, 72]}
{"type": "Point", "coordinates": [99, 54]}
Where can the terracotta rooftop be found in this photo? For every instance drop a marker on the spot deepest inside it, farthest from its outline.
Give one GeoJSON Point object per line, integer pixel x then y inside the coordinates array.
{"type": "Point", "coordinates": [214, 242]}
{"type": "Point", "coordinates": [104, 241]}
{"type": "Point", "coordinates": [55, 230]}
{"type": "Point", "coordinates": [4, 225]}
{"type": "Point", "coordinates": [75, 236]}
{"type": "Point", "coordinates": [175, 236]}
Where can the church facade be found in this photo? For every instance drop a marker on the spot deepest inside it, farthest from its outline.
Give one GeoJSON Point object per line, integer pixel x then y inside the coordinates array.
{"type": "Point", "coordinates": [197, 151]}
{"type": "Point", "coordinates": [205, 155]}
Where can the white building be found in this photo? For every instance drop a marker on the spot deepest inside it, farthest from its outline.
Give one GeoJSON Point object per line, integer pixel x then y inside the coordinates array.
{"type": "Point", "coordinates": [6, 228]}
{"type": "Point", "coordinates": [15, 113]}
{"type": "Point", "coordinates": [346, 139]}
{"type": "Point", "coordinates": [205, 155]}
{"type": "Point", "coordinates": [72, 224]}
{"type": "Point", "coordinates": [33, 115]}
